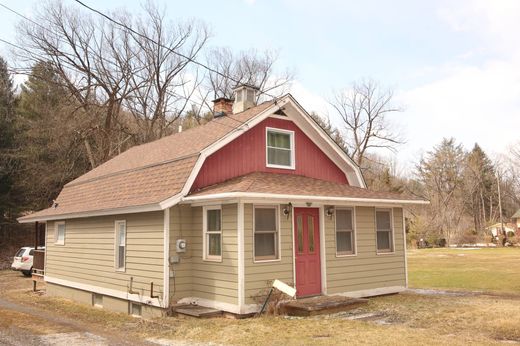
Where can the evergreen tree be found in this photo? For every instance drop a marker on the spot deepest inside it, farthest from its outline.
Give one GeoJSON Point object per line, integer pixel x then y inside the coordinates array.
{"type": "Point", "coordinates": [8, 155]}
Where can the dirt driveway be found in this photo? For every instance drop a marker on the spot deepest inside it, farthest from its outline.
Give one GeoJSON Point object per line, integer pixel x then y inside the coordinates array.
{"type": "Point", "coordinates": [22, 322]}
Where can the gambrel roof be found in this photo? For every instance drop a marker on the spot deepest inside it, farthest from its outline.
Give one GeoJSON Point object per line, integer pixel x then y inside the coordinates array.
{"type": "Point", "coordinates": [157, 175]}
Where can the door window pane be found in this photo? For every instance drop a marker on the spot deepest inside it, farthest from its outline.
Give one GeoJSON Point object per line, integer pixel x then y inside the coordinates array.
{"type": "Point", "coordinates": [299, 233]}
{"type": "Point", "coordinates": [310, 229]}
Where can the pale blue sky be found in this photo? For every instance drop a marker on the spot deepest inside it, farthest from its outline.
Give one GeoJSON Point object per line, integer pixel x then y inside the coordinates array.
{"type": "Point", "coordinates": [454, 65]}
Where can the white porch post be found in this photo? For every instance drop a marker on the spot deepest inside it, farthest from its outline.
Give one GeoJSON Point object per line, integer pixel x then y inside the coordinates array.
{"type": "Point", "coordinates": [240, 241]}
{"type": "Point", "coordinates": [166, 255]}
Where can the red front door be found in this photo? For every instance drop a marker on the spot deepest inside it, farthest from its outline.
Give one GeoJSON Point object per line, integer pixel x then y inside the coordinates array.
{"type": "Point", "coordinates": [307, 251]}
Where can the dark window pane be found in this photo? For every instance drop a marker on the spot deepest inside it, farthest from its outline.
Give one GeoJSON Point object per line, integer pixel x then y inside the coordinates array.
{"type": "Point", "coordinates": [383, 240]}
{"type": "Point", "coordinates": [343, 219]}
{"type": "Point", "coordinates": [279, 140]}
{"type": "Point", "coordinates": [280, 157]}
{"type": "Point", "coordinates": [265, 219]}
{"type": "Point", "coordinates": [214, 220]}
{"type": "Point", "coordinates": [344, 242]}
{"type": "Point", "coordinates": [31, 253]}
{"type": "Point", "coordinates": [383, 220]}
{"type": "Point", "coordinates": [299, 229]}
{"type": "Point", "coordinates": [310, 230]}
{"type": "Point", "coordinates": [20, 253]}
{"type": "Point", "coordinates": [265, 244]}
{"type": "Point", "coordinates": [214, 248]}
{"type": "Point", "coordinates": [121, 257]}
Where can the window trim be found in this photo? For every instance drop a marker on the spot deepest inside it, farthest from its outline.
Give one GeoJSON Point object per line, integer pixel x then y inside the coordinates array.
{"type": "Point", "coordinates": [293, 148]}
{"type": "Point", "coordinates": [56, 241]}
{"type": "Point", "coordinates": [354, 233]}
{"type": "Point", "coordinates": [205, 245]}
{"type": "Point", "coordinates": [392, 231]}
{"type": "Point", "coordinates": [278, 256]}
{"type": "Point", "coordinates": [116, 245]}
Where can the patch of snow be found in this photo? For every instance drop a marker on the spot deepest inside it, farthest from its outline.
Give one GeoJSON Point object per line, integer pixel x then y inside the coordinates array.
{"type": "Point", "coordinates": [168, 342]}
{"type": "Point", "coordinates": [76, 339]}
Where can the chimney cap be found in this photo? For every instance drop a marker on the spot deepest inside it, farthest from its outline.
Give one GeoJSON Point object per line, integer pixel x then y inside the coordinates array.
{"type": "Point", "coordinates": [245, 86]}
{"type": "Point", "coordinates": [222, 99]}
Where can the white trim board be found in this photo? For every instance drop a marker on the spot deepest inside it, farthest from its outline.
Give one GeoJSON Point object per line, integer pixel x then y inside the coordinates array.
{"type": "Point", "coordinates": [241, 262]}
{"type": "Point", "coordinates": [166, 258]}
{"type": "Point", "coordinates": [371, 292]}
{"type": "Point", "coordinates": [107, 291]}
{"type": "Point", "coordinates": [227, 307]}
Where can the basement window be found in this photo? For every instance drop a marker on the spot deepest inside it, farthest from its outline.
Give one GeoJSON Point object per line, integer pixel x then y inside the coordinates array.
{"type": "Point", "coordinates": [136, 310]}
{"type": "Point", "coordinates": [97, 300]}
{"type": "Point", "coordinates": [279, 148]}
{"type": "Point", "coordinates": [384, 231]}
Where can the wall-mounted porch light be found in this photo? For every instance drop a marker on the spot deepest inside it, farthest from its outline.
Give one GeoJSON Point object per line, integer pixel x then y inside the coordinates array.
{"type": "Point", "coordinates": [329, 211]}
{"type": "Point", "coordinates": [287, 210]}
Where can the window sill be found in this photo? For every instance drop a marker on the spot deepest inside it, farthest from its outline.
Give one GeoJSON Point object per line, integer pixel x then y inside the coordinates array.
{"type": "Point", "coordinates": [213, 259]}
{"type": "Point", "coordinates": [120, 270]}
{"type": "Point", "coordinates": [385, 253]}
{"type": "Point", "coordinates": [340, 255]}
{"type": "Point", "coordinates": [267, 260]}
{"type": "Point", "coordinates": [281, 167]}
{"type": "Point", "coordinates": [60, 243]}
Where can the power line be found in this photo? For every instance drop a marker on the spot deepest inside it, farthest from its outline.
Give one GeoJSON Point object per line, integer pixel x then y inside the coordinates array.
{"type": "Point", "coordinates": [171, 93]}
{"type": "Point", "coordinates": [104, 15]}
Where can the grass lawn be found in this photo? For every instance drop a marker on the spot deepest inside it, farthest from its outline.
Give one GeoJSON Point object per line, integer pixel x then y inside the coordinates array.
{"type": "Point", "coordinates": [489, 270]}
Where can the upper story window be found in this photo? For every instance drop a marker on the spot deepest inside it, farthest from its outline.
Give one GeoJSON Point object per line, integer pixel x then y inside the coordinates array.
{"type": "Point", "coordinates": [280, 148]}
{"type": "Point", "coordinates": [59, 233]}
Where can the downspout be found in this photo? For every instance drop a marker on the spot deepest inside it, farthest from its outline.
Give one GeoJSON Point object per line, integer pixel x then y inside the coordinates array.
{"type": "Point", "coordinates": [166, 255]}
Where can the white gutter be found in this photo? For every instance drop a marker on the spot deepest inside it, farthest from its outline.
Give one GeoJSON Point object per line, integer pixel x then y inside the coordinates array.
{"type": "Point", "coordinates": [305, 198]}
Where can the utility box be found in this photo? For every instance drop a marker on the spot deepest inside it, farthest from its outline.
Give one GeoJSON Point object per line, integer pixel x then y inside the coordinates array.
{"type": "Point", "coordinates": [181, 245]}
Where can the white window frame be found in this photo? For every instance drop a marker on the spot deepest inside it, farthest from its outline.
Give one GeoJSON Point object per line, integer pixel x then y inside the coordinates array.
{"type": "Point", "coordinates": [57, 241]}
{"type": "Point", "coordinates": [392, 231]}
{"type": "Point", "coordinates": [278, 250]}
{"type": "Point", "coordinates": [117, 266]}
{"type": "Point", "coordinates": [354, 232]}
{"type": "Point", "coordinates": [293, 149]}
{"type": "Point", "coordinates": [205, 245]}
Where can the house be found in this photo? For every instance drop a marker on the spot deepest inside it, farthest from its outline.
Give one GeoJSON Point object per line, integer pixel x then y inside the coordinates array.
{"type": "Point", "coordinates": [515, 219]}
{"type": "Point", "coordinates": [212, 214]}
{"type": "Point", "coordinates": [496, 229]}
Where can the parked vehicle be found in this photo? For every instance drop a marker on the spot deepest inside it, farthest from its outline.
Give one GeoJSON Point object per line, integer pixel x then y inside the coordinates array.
{"type": "Point", "coordinates": [23, 260]}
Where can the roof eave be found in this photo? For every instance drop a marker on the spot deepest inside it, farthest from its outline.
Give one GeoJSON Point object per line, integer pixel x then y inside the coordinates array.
{"type": "Point", "coordinates": [91, 213]}
{"type": "Point", "coordinates": [301, 198]}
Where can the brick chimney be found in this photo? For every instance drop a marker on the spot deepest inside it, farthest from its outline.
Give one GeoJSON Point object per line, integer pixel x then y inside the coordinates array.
{"type": "Point", "coordinates": [222, 106]}
{"type": "Point", "coordinates": [245, 97]}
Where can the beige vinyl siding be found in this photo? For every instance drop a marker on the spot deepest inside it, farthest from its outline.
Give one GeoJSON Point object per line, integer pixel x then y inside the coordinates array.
{"type": "Point", "coordinates": [216, 281]}
{"type": "Point", "coordinates": [181, 227]}
{"type": "Point", "coordinates": [88, 256]}
{"type": "Point", "coordinates": [259, 275]}
{"type": "Point", "coordinates": [366, 270]}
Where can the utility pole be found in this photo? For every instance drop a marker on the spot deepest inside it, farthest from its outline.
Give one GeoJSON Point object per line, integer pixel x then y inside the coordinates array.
{"type": "Point", "coordinates": [504, 233]}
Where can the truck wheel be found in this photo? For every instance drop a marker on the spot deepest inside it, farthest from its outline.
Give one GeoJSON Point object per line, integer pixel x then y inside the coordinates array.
{"type": "Point", "coordinates": [27, 273]}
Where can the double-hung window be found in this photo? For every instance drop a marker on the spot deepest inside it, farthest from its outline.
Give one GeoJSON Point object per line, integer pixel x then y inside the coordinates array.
{"type": "Point", "coordinates": [345, 235]}
{"type": "Point", "coordinates": [120, 248]}
{"type": "Point", "coordinates": [266, 233]}
{"type": "Point", "coordinates": [212, 233]}
{"type": "Point", "coordinates": [59, 233]}
{"type": "Point", "coordinates": [384, 231]}
{"type": "Point", "coordinates": [280, 148]}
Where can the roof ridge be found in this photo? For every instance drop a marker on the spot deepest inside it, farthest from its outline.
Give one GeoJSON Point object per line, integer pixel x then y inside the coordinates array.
{"type": "Point", "coordinates": [72, 183]}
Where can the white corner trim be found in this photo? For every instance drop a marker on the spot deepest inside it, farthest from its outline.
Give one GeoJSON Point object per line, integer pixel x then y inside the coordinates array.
{"type": "Point", "coordinates": [323, 257]}
{"type": "Point", "coordinates": [372, 292]}
{"type": "Point", "coordinates": [166, 257]}
{"type": "Point", "coordinates": [241, 264]}
{"type": "Point", "coordinates": [404, 248]}
{"type": "Point", "coordinates": [106, 291]}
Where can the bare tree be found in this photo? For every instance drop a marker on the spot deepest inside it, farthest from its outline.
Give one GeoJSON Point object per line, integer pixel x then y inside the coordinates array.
{"type": "Point", "coordinates": [247, 67]}
{"type": "Point", "coordinates": [110, 70]}
{"type": "Point", "coordinates": [364, 108]}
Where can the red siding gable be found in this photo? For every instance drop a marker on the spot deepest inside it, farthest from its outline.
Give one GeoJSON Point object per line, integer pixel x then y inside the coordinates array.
{"type": "Point", "coordinates": [247, 154]}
